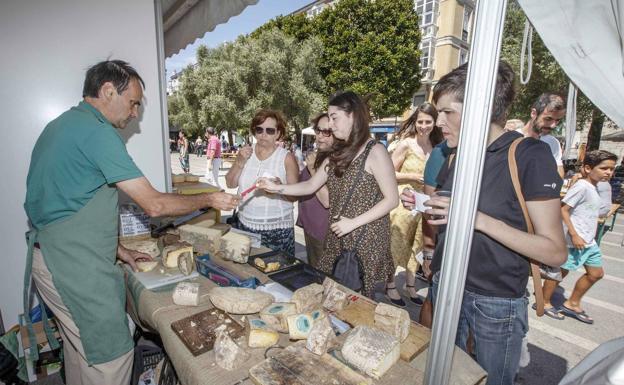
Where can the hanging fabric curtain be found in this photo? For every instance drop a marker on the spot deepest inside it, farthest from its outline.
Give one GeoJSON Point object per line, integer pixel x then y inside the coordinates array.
{"type": "Point", "coordinates": [570, 123]}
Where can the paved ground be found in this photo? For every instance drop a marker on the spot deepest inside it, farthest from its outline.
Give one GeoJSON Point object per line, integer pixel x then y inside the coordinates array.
{"type": "Point", "coordinates": [555, 346]}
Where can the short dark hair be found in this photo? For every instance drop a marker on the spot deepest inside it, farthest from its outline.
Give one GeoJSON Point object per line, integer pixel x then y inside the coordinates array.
{"type": "Point", "coordinates": [551, 100]}
{"type": "Point", "coordinates": [264, 114]}
{"type": "Point", "coordinates": [454, 83]}
{"type": "Point", "coordinates": [117, 72]}
{"type": "Point", "coordinates": [594, 158]}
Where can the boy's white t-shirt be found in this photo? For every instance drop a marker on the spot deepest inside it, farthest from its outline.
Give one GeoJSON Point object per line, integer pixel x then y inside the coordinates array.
{"type": "Point", "coordinates": [585, 202]}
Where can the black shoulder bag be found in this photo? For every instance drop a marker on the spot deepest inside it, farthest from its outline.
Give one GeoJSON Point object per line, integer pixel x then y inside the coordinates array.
{"type": "Point", "coordinates": [348, 269]}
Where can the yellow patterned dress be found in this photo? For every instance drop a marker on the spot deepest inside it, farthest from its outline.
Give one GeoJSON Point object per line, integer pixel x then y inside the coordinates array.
{"type": "Point", "coordinates": [406, 230]}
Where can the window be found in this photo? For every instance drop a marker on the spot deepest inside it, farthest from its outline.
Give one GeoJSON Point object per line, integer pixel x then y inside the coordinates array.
{"type": "Point", "coordinates": [426, 10]}
{"type": "Point", "coordinates": [466, 23]}
{"type": "Point", "coordinates": [426, 53]}
{"type": "Point", "coordinates": [417, 100]}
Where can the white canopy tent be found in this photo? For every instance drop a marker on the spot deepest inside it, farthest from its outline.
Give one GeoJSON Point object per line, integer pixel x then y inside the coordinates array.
{"type": "Point", "coordinates": [590, 51]}
{"type": "Point", "coordinates": [306, 131]}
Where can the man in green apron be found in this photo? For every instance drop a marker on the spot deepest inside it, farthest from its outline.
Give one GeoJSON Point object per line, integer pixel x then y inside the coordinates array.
{"type": "Point", "coordinates": [77, 165]}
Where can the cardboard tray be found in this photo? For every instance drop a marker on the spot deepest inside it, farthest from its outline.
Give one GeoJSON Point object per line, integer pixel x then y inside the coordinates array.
{"type": "Point", "coordinates": [298, 276]}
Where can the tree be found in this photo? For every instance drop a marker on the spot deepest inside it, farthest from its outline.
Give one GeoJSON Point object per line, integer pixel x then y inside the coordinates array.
{"type": "Point", "coordinates": [370, 47]}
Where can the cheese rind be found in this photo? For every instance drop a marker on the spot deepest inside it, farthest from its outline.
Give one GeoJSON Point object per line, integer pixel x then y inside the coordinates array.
{"type": "Point", "coordinates": [371, 350]}
{"type": "Point", "coordinates": [147, 246]}
{"type": "Point", "coordinates": [171, 253]}
{"type": "Point", "coordinates": [204, 240]}
{"type": "Point", "coordinates": [235, 247]}
{"type": "Point", "coordinates": [228, 354]}
{"type": "Point", "coordinates": [259, 334]}
{"type": "Point", "coordinates": [238, 300]}
{"type": "Point", "coordinates": [276, 315]}
{"type": "Point", "coordinates": [145, 266]}
{"type": "Point", "coordinates": [392, 320]}
{"type": "Point", "coordinates": [186, 263]}
{"type": "Point", "coordinates": [308, 297]}
{"type": "Point", "coordinates": [335, 300]}
{"type": "Point", "coordinates": [321, 337]}
{"type": "Point", "coordinates": [186, 294]}
{"type": "Point", "coordinates": [299, 326]}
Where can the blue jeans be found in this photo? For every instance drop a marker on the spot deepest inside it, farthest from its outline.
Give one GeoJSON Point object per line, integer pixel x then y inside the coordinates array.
{"type": "Point", "coordinates": [497, 326]}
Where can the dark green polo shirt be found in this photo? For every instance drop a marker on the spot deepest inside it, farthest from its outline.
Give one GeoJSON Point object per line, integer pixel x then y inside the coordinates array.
{"type": "Point", "coordinates": [75, 155]}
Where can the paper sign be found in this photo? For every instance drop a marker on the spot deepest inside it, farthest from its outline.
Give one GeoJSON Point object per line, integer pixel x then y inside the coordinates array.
{"type": "Point", "coordinates": [419, 203]}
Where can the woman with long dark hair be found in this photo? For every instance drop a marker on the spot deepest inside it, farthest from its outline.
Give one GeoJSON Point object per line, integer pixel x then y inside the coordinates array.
{"type": "Point", "coordinates": [410, 150]}
{"type": "Point", "coordinates": [359, 221]}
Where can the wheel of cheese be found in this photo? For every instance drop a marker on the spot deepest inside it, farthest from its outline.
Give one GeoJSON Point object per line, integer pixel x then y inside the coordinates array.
{"type": "Point", "coordinates": [238, 300]}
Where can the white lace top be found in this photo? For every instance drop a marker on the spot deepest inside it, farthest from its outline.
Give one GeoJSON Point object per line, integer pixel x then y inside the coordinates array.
{"type": "Point", "coordinates": [260, 210]}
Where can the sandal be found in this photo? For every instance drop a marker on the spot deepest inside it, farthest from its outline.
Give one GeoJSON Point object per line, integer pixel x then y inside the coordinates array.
{"type": "Point", "coordinates": [397, 302]}
{"type": "Point", "coordinates": [417, 300]}
{"type": "Point", "coordinates": [552, 312]}
{"type": "Point", "coordinates": [579, 315]}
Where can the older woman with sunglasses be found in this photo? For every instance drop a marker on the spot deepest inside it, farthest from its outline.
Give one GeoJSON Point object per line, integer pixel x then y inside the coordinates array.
{"type": "Point", "coordinates": [269, 215]}
{"type": "Point", "coordinates": [313, 212]}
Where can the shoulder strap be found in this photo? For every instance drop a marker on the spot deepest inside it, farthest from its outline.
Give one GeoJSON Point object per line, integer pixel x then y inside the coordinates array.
{"type": "Point", "coordinates": [535, 270]}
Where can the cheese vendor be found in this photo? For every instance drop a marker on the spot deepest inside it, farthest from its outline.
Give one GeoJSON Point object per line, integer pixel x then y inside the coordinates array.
{"type": "Point", "coordinates": [77, 166]}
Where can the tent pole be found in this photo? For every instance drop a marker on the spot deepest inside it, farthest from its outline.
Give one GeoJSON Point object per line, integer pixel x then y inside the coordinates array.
{"type": "Point", "coordinates": [482, 69]}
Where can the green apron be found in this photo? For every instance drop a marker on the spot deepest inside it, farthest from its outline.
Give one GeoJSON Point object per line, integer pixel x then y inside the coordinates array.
{"type": "Point", "coordinates": [80, 252]}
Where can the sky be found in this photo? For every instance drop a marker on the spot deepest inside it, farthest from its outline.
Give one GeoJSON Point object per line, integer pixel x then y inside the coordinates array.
{"type": "Point", "coordinates": [250, 19]}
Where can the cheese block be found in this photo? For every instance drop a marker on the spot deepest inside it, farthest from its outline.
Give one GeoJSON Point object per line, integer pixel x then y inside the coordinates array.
{"type": "Point", "coordinates": [335, 299]}
{"type": "Point", "coordinates": [204, 220]}
{"type": "Point", "coordinates": [167, 240]}
{"type": "Point", "coordinates": [147, 246]}
{"type": "Point", "coordinates": [329, 283]}
{"type": "Point", "coordinates": [392, 320]}
{"type": "Point", "coordinates": [204, 240]}
{"type": "Point", "coordinates": [145, 266]}
{"type": "Point", "coordinates": [186, 294]}
{"type": "Point", "coordinates": [191, 178]}
{"type": "Point", "coordinates": [171, 253]}
{"type": "Point", "coordinates": [178, 178]}
{"type": "Point", "coordinates": [276, 314]}
{"type": "Point", "coordinates": [228, 354]}
{"type": "Point", "coordinates": [308, 297]}
{"type": "Point", "coordinates": [239, 300]}
{"type": "Point", "coordinates": [186, 263]}
{"type": "Point", "coordinates": [371, 350]}
{"type": "Point", "coordinates": [321, 337]}
{"type": "Point", "coordinates": [259, 334]}
{"type": "Point", "coordinates": [235, 247]}
{"type": "Point", "coordinates": [317, 314]}
{"type": "Point", "coordinates": [299, 326]}
{"type": "Point", "coordinates": [267, 268]}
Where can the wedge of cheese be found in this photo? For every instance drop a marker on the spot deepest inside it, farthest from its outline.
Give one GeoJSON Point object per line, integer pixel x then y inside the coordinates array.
{"type": "Point", "coordinates": [147, 246]}
{"type": "Point", "coordinates": [238, 300]}
{"type": "Point", "coordinates": [276, 315]}
{"type": "Point", "coordinates": [308, 297]}
{"type": "Point", "coordinates": [172, 253]}
{"type": "Point", "coordinates": [299, 326]}
{"type": "Point", "coordinates": [371, 350]}
{"type": "Point", "coordinates": [186, 294]}
{"type": "Point", "coordinates": [321, 337]}
{"type": "Point", "coordinates": [259, 334]}
{"type": "Point", "coordinates": [328, 283]}
{"type": "Point", "coordinates": [204, 240]}
{"type": "Point", "coordinates": [235, 247]}
{"type": "Point", "coordinates": [335, 299]}
{"type": "Point", "coordinates": [145, 266]}
{"type": "Point", "coordinates": [186, 263]}
{"type": "Point", "coordinates": [228, 354]}
{"type": "Point", "coordinates": [392, 320]}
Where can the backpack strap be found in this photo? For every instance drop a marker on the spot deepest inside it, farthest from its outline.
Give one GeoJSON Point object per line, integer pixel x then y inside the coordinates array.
{"type": "Point", "coordinates": [535, 269]}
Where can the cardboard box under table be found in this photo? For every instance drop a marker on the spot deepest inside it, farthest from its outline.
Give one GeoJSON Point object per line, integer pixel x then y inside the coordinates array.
{"type": "Point", "coordinates": [156, 311]}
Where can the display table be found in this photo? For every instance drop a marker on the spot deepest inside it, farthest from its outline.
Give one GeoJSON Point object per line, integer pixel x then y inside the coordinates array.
{"type": "Point", "coordinates": [156, 311]}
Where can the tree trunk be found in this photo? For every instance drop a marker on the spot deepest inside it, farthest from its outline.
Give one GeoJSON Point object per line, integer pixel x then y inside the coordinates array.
{"type": "Point", "coordinates": [595, 130]}
{"type": "Point", "coordinates": [230, 138]}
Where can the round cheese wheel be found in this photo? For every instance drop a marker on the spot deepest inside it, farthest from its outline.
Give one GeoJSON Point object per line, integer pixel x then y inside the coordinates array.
{"type": "Point", "coordinates": [238, 300]}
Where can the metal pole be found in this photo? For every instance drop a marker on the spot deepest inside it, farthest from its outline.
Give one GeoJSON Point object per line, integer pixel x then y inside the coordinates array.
{"type": "Point", "coordinates": [482, 69]}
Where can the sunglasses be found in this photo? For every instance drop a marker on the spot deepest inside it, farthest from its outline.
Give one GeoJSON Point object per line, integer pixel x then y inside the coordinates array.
{"type": "Point", "coordinates": [325, 133]}
{"type": "Point", "coordinates": [269, 130]}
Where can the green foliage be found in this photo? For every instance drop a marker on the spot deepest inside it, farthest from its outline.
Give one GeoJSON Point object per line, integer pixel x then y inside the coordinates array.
{"type": "Point", "coordinates": [546, 75]}
{"type": "Point", "coordinates": [231, 82]}
{"type": "Point", "coordinates": [297, 26]}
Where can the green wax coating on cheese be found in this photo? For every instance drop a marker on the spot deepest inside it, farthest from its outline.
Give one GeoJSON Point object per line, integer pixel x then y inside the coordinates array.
{"type": "Point", "coordinates": [276, 309]}
{"type": "Point", "coordinates": [303, 323]}
{"type": "Point", "coordinates": [258, 323]}
{"type": "Point", "coordinates": [316, 314]}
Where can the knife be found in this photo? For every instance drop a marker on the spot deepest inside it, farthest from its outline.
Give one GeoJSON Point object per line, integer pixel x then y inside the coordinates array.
{"type": "Point", "coordinates": [158, 231]}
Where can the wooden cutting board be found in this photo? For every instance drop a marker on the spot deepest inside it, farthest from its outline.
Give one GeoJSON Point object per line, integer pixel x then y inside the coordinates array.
{"type": "Point", "coordinates": [296, 365]}
{"type": "Point", "coordinates": [361, 311]}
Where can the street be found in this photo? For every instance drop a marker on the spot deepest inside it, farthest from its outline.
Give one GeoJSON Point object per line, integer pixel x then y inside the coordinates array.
{"type": "Point", "coordinates": [555, 345]}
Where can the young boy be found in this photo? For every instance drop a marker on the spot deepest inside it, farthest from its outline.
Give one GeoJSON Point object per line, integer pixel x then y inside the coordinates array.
{"type": "Point", "coordinates": [580, 210]}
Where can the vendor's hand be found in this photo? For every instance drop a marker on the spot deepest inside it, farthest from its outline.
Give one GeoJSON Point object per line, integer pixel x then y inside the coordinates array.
{"type": "Point", "coordinates": [131, 257]}
{"type": "Point", "coordinates": [407, 198]}
{"type": "Point", "coordinates": [343, 226]}
{"type": "Point", "coordinates": [439, 210]}
{"type": "Point", "coordinates": [578, 242]}
{"type": "Point", "coordinates": [223, 201]}
{"type": "Point", "coordinates": [271, 185]}
{"type": "Point", "coordinates": [243, 155]}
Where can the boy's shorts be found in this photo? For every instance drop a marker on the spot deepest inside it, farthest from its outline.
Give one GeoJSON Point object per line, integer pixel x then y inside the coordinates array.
{"type": "Point", "coordinates": [589, 256]}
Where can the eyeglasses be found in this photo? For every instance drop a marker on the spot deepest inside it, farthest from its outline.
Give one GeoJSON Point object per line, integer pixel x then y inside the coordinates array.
{"type": "Point", "coordinates": [325, 133]}
{"type": "Point", "coordinates": [269, 130]}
